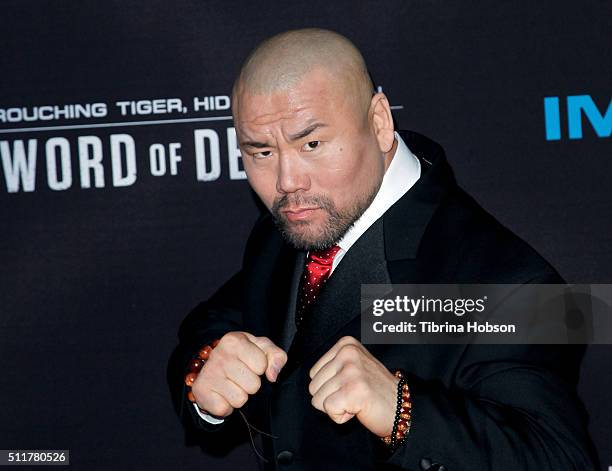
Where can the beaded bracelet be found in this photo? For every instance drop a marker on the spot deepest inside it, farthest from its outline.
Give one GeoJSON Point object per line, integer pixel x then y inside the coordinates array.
{"type": "Point", "coordinates": [195, 365]}
{"type": "Point", "coordinates": [403, 414]}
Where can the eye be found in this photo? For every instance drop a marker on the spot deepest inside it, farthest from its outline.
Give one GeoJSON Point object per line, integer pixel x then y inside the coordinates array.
{"type": "Point", "coordinates": [263, 154]}
{"type": "Point", "coordinates": [310, 146]}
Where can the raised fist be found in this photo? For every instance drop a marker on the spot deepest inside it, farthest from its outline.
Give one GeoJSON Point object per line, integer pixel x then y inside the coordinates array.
{"type": "Point", "coordinates": [233, 371]}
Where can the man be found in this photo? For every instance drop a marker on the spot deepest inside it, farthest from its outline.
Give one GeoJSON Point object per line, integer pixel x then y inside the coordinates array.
{"type": "Point", "coordinates": [351, 201]}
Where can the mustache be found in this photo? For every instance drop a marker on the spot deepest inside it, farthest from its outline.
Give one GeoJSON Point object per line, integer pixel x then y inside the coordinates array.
{"type": "Point", "coordinates": [320, 201]}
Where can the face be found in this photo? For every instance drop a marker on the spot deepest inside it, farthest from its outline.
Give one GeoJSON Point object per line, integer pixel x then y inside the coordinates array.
{"type": "Point", "coordinates": [314, 157]}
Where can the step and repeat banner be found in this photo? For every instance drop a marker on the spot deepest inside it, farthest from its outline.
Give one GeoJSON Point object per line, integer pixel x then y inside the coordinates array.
{"type": "Point", "coordinates": [124, 202]}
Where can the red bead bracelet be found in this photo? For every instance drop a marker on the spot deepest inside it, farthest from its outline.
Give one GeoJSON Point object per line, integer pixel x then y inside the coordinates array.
{"type": "Point", "coordinates": [195, 365]}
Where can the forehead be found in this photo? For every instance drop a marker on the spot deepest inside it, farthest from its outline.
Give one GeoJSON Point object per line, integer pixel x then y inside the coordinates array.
{"type": "Point", "coordinates": [314, 97]}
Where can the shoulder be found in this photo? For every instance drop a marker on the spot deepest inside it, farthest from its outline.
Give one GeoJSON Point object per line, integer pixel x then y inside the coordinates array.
{"type": "Point", "coordinates": [484, 249]}
{"type": "Point", "coordinates": [263, 239]}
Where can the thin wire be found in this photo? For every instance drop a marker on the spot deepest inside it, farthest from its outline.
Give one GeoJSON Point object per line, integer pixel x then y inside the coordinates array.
{"type": "Point", "coordinates": [249, 427]}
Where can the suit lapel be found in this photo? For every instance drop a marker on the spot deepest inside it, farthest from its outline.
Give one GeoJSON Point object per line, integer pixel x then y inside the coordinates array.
{"type": "Point", "coordinates": [288, 328]}
{"type": "Point", "coordinates": [406, 221]}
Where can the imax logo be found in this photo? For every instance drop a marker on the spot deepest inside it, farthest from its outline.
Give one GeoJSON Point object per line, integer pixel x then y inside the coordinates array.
{"type": "Point", "coordinates": [576, 106]}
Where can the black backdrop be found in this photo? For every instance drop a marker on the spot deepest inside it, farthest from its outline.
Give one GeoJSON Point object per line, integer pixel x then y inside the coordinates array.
{"type": "Point", "coordinates": [94, 279]}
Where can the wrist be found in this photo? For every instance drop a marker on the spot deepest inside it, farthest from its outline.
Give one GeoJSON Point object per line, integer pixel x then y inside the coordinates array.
{"type": "Point", "coordinates": [388, 407]}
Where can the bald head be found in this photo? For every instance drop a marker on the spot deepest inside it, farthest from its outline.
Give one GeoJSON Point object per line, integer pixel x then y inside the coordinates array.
{"type": "Point", "coordinates": [315, 139]}
{"type": "Point", "coordinates": [282, 61]}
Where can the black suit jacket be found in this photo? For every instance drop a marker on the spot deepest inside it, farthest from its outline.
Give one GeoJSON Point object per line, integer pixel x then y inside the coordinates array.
{"type": "Point", "coordinates": [475, 407]}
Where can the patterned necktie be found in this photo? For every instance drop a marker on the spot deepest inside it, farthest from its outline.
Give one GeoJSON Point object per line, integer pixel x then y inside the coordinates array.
{"type": "Point", "coordinates": [317, 270]}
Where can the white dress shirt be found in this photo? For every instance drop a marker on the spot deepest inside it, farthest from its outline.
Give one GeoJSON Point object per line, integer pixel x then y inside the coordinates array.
{"type": "Point", "coordinates": [403, 172]}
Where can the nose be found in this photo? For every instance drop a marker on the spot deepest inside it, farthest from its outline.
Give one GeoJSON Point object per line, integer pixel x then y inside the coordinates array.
{"type": "Point", "coordinates": [292, 175]}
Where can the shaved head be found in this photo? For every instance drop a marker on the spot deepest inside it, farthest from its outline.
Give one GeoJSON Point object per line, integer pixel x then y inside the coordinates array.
{"type": "Point", "coordinates": [314, 137]}
{"type": "Point", "coordinates": [282, 61]}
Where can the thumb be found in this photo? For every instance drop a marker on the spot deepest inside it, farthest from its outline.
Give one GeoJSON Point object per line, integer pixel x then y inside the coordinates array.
{"type": "Point", "coordinates": [277, 358]}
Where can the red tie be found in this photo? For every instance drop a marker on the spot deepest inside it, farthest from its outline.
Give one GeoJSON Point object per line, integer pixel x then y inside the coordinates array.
{"type": "Point", "coordinates": [317, 270]}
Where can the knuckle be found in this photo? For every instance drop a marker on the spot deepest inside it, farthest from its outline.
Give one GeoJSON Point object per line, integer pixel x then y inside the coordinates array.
{"type": "Point", "coordinates": [239, 399]}
{"type": "Point", "coordinates": [215, 358]}
{"type": "Point", "coordinates": [253, 386]}
{"type": "Point", "coordinates": [232, 339]}
{"type": "Point", "coordinates": [282, 355]}
{"type": "Point", "coordinates": [257, 366]}
{"type": "Point", "coordinates": [348, 352]}
{"type": "Point", "coordinates": [227, 339]}
{"type": "Point", "coordinates": [347, 340]}
{"type": "Point", "coordinates": [260, 363]}
{"type": "Point", "coordinates": [330, 404]}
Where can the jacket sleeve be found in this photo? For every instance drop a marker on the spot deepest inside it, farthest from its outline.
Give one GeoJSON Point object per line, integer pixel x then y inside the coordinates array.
{"type": "Point", "coordinates": [506, 411]}
{"type": "Point", "coordinates": [507, 407]}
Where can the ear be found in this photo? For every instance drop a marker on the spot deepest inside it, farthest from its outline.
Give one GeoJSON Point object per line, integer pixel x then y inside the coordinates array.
{"type": "Point", "coordinates": [382, 122]}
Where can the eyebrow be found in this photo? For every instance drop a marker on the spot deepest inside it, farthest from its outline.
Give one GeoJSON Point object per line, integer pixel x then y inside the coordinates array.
{"type": "Point", "coordinates": [257, 145]}
{"type": "Point", "coordinates": [292, 137]}
{"type": "Point", "coordinates": [305, 132]}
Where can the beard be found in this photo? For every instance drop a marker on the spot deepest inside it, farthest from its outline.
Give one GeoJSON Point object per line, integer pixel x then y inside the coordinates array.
{"type": "Point", "coordinates": [302, 235]}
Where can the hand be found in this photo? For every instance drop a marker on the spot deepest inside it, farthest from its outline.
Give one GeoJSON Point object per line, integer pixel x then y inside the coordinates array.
{"type": "Point", "coordinates": [233, 371]}
{"type": "Point", "coordinates": [348, 381]}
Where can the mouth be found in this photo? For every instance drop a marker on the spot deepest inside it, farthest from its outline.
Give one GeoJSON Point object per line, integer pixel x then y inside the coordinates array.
{"type": "Point", "coordinates": [299, 214]}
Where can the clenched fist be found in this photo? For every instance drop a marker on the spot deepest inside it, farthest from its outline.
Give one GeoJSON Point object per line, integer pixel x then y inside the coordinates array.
{"type": "Point", "coordinates": [349, 382]}
{"type": "Point", "coordinates": [232, 372]}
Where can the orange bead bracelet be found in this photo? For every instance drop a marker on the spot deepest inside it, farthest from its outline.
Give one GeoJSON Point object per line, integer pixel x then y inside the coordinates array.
{"type": "Point", "coordinates": [195, 365]}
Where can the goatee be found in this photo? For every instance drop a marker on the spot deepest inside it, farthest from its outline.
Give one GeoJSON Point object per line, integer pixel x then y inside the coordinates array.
{"type": "Point", "coordinates": [338, 222]}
